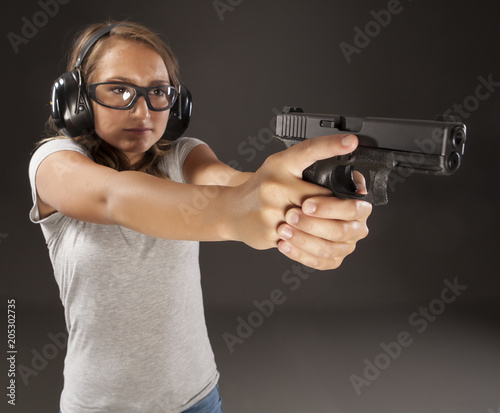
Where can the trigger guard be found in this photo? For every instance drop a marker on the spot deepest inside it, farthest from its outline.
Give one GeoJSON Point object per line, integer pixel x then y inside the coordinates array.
{"type": "Point", "coordinates": [342, 182]}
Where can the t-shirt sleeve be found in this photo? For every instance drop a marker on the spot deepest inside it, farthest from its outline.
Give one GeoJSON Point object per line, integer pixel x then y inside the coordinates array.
{"type": "Point", "coordinates": [40, 154]}
{"type": "Point", "coordinates": [172, 164]}
{"type": "Point", "coordinates": [174, 160]}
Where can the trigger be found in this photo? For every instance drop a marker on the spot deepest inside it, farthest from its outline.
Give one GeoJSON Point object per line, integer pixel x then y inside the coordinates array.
{"type": "Point", "coordinates": [344, 180]}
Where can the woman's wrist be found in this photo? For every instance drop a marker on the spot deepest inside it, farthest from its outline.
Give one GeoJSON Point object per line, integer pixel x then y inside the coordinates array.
{"type": "Point", "coordinates": [228, 219]}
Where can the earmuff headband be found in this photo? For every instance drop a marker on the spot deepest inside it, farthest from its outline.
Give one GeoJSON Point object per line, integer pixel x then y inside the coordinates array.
{"type": "Point", "coordinates": [90, 42]}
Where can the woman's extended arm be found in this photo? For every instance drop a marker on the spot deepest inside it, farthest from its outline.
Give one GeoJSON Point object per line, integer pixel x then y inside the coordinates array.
{"type": "Point", "coordinates": [254, 211]}
{"type": "Point", "coordinates": [74, 185]}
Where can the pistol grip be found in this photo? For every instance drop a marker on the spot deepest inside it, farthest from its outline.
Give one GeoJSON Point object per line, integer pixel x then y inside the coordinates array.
{"type": "Point", "coordinates": [377, 191]}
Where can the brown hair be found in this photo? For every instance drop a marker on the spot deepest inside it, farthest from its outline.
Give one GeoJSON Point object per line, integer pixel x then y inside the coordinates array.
{"type": "Point", "coordinates": [102, 152]}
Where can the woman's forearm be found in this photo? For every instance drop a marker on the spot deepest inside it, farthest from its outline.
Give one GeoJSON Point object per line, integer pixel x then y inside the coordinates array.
{"type": "Point", "coordinates": [170, 210]}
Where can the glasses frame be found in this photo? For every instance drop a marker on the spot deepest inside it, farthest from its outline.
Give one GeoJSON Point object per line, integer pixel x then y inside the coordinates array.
{"type": "Point", "coordinates": [139, 91]}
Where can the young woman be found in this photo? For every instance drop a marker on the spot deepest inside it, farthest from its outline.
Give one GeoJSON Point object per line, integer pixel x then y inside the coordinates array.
{"type": "Point", "coordinates": [120, 210]}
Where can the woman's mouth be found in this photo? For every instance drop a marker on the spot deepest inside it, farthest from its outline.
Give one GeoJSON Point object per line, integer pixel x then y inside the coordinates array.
{"type": "Point", "coordinates": [139, 131]}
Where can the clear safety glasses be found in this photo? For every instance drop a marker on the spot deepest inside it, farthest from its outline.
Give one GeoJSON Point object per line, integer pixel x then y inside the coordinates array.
{"type": "Point", "coordinates": [124, 96]}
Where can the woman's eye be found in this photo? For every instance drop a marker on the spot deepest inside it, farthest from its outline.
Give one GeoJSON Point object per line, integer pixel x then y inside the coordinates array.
{"type": "Point", "coordinates": [158, 92]}
{"type": "Point", "coordinates": [118, 90]}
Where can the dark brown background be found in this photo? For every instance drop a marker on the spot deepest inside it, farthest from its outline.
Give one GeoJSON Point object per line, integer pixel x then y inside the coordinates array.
{"type": "Point", "coordinates": [261, 56]}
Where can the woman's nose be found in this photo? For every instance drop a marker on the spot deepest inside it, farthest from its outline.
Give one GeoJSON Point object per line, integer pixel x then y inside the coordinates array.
{"type": "Point", "coordinates": [140, 109]}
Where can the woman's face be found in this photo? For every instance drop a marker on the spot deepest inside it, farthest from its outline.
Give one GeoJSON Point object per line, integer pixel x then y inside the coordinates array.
{"type": "Point", "coordinates": [135, 130]}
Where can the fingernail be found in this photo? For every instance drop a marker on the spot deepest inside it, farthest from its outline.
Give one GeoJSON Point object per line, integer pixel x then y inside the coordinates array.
{"type": "Point", "coordinates": [293, 218]}
{"type": "Point", "coordinates": [309, 207]}
{"type": "Point", "coordinates": [284, 247]}
{"type": "Point", "coordinates": [348, 140]}
{"type": "Point", "coordinates": [285, 233]}
{"type": "Point", "coordinates": [360, 187]}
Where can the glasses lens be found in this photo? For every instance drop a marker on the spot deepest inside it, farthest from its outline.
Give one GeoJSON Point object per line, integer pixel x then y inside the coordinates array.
{"type": "Point", "coordinates": [114, 95]}
{"type": "Point", "coordinates": [161, 97]}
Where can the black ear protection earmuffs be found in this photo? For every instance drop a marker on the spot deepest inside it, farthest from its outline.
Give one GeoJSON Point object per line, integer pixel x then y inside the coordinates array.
{"type": "Point", "coordinates": [72, 109]}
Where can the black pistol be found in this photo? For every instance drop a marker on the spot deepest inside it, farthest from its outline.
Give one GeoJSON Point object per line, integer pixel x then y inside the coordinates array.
{"type": "Point", "coordinates": [420, 146]}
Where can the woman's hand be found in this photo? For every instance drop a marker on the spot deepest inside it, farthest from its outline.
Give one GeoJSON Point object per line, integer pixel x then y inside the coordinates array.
{"type": "Point", "coordinates": [324, 231]}
{"type": "Point", "coordinates": [275, 207]}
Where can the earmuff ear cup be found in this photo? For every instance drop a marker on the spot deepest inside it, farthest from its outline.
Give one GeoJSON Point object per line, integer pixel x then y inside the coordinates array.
{"type": "Point", "coordinates": [71, 107]}
{"type": "Point", "coordinates": [180, 115]}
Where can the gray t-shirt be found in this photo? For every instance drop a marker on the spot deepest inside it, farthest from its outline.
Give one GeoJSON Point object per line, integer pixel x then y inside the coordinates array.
{"type": "Point", "coordinates": [133, 306]}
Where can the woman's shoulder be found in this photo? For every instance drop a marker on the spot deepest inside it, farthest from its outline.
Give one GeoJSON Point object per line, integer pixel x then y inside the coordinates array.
{"type": "Point", "coordinates": [49, 146]}
{"type": "Point", "coordinates": [173, 161]}
{"type": "Point", "coordinates": [58, 143]}
{"type": "Point", "coordinates": [181, 147]}
{"type": "Point", "coordinates": [187, 141]}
